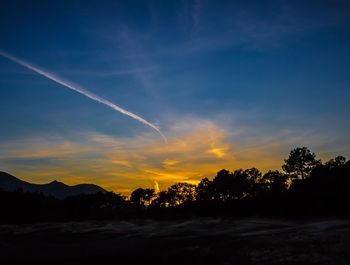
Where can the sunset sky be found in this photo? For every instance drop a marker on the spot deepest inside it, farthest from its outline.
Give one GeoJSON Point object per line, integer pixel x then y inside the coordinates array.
{"type": "Point", "coordinates": [232, 84]}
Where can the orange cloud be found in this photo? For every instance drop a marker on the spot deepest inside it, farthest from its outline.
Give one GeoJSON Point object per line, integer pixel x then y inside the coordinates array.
{"type": "Point", "coordinates": [218, 152]}
{"type": "Point", "coordinates": [196, 149]}
{"type": "Point", "coordinates": [169, 162]}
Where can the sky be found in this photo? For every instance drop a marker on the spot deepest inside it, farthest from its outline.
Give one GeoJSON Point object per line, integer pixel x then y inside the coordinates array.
{"type": "Point", "coordinates": [231, 84]}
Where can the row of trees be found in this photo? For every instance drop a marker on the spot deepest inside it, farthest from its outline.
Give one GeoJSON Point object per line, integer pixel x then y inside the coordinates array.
{"type": "Point", "coordinates": [241, 184]}
{"type": "Point", "coordinates": [305, 187]}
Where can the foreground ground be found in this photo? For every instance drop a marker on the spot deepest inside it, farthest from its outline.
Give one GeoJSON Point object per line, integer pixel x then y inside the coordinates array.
{"type": "Point", "coordinates": [196, 241]}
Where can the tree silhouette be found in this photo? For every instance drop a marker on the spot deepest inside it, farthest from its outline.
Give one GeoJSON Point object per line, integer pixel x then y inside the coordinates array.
{"type": "Point", "coordinates": [275, 181]}
{"type": "Point", "coordinates": [162, 200]}
{"type": "Point", "coordinates": [253, 179]}
{"type": "Point", "coordinates": [231, 186]}
{"type": "Point", "coordinates": [180, 193]}
{"type": "Point", "coordinates": [300, 163]}
{"type": "Point", "coordinates": [142, 197]}
{"type": "Point", "coordinates": [205, 190]}
{"type": "Point", "coordinates": [336, 162]}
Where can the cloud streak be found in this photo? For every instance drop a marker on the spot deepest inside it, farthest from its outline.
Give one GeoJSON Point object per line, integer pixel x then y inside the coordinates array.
{"type": "Point", "coordinates": [197, 148]}
{"type": "Point", "coordinates": [81, 90]}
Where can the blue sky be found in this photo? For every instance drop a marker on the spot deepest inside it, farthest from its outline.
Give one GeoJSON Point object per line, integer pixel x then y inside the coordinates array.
{"type": "Point", "coordinates": [240, 77]}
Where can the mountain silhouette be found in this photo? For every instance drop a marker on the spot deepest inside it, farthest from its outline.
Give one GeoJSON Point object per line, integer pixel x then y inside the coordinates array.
{"type": "Point", "coordinates": [55, 188]}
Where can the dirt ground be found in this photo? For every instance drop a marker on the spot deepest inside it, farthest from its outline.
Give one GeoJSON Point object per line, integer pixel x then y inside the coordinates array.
{"type": "Point", "coordinates": [197, 241]}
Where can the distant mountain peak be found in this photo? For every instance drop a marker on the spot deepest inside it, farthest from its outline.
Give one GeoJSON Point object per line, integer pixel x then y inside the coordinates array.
{"type": "Point", "coordinates": [56, 183]}
{"type": "Point", "coordinates": [5, 175]}
{"type": "Point", "coordinates": [55, 188]}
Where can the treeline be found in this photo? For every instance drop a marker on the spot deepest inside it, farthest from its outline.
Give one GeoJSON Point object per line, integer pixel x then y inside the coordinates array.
{"type": "Point", "coordinates": [305, 188]}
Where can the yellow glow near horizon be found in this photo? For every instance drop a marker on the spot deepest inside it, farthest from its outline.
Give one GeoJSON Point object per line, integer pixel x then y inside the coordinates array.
{"type": "Point", "coordinates": [124, 164]}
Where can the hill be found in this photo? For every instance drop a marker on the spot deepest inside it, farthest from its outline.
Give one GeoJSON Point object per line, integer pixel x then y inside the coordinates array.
{"type": "Point", "coordinates": [55, 188]}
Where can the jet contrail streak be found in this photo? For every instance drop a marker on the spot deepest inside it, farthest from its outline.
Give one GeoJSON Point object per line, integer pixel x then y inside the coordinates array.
{"type": "Point", "coordinates": [81, 91]}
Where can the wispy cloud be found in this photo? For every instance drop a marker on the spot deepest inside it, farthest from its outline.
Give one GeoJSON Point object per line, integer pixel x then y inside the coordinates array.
{"type": "Point", "coordinates": [197, 148]}
{"type": "Point", "coordinates": [196, 14]}
{"type": "Point", "coordinates": [236, 25]}
{"type": "Point", "coordinates": [130, 44]}
{"type": "Point", "coordinates": [81, 90]}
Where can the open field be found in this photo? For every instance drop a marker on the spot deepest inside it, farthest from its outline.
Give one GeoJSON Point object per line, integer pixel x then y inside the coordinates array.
{"type": "Point", "coordinates": [195, 241]}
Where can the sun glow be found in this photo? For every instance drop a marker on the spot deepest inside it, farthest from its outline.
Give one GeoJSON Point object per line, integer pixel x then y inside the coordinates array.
{"type": "Point", "coordinates": [196, 149]}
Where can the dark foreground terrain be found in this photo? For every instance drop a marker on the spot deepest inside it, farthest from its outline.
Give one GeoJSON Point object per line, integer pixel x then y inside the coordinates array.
{"type": "Point", "coordinates": [195, 241]}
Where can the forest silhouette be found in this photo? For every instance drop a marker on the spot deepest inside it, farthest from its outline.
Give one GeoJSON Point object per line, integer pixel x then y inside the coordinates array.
{"type": "Point", "coordinates": [305, 188]}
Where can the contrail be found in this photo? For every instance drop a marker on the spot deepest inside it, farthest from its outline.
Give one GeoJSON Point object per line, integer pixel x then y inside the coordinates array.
{"type": "Point", "coordinates": [82, 91]}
